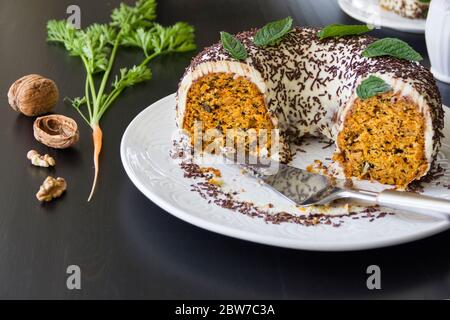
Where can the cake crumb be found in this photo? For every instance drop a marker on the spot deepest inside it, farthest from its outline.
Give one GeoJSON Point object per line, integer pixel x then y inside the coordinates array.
{"type": "Point", "coordinates": [212, 170]}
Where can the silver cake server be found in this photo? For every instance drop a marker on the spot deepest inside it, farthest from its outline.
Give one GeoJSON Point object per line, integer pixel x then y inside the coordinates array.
{"type": "Point", "coordinates": [304, 188]}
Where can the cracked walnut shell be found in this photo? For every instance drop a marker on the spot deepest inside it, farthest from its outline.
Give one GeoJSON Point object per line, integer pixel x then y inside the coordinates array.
{"type": "Point", "coordinates": [51, 188]}
{"type": "Point", "coordinates": [56, 131]}
{"type": "Point", "coordinates": [33, 95]}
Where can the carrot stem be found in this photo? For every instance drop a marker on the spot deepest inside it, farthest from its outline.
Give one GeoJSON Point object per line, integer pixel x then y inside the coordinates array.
{"type": "Point", "coordinates": [112, 58]}
{"type": "Point", "coordinates": [90, 79]}
{"type": "Point", "coordinates": [97, 137]}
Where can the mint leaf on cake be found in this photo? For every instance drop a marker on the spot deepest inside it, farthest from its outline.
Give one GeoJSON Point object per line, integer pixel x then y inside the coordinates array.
{"type": "Point", "coordinates": [272, 32]}
{"type": "Point", "coordinates": [342, 30]}
{"type": "Point", "coordinates": [372, 86]}
{"type": "Point", "coordinates": [391, 47]}
{"type": "Point", "coordinates": [233, 46]}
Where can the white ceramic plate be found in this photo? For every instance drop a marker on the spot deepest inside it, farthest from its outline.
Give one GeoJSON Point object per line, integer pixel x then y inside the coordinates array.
{"type": "Point", "coordinates": [145, 155]}
{"type": "Point", "coordinates": [370, 12]}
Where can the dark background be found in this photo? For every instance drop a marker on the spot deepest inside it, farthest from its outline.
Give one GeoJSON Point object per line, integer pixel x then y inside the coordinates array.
{"type": "Point", "coordinates": [125, 245]}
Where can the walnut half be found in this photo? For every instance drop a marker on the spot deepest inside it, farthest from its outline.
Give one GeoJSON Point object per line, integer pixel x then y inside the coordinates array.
{"type": "Point", "coordinates": [51, 188]}
{"type": "Point", "coordinates": [56, 131]}
{"type": "Point", "coordinates": [39, 160]}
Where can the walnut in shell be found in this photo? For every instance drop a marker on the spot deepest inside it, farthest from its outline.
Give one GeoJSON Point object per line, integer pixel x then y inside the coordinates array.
{"type": "Point", "coordinates": [33, 95]}
{"type": "Point", "coordinates": [56, 131]}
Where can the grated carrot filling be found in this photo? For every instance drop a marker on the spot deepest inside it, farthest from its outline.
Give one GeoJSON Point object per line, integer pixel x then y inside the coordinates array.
{"type": "Point", "coordinates": [225, 101]}
{"type": "Point", "coordinates": [383, 140]}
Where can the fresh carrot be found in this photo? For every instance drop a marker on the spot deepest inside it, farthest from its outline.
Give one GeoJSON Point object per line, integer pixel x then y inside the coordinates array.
{"type": "Point", "coordinates": [97, 138]}
{"type": "Point", "coordinates": [97, 46]}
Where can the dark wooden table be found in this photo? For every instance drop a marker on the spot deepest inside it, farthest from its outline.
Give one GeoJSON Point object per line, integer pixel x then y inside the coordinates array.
{"type": "Point", "coordinates": [126, 246]}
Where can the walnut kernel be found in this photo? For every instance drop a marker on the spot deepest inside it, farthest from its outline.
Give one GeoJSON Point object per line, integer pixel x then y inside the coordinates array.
{"type": "Point", "coordinates": [51, 188]}
{"type": "Point", "coordinates": [40, 161]}
{"type": "Point", "coordinates": [33, 95]}
{"type": "Point", "coordinates": [56, 131]}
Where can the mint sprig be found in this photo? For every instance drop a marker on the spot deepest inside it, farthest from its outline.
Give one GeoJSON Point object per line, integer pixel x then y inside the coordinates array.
{"type": "Point", "coordinates": [371, 87]}
{"type": "Point", "coordinates": [391, 47]}
{"type": "Point", "coordinates": [342, 30]}
{"type": "Point", "coordinates": [233, 46]}
{"type": "Point", "coordinates": [272, 32]}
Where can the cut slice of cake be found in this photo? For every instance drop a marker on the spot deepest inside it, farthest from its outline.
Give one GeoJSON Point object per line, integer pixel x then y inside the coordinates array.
{"type": "Point", "coordinates": [413, 9]}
